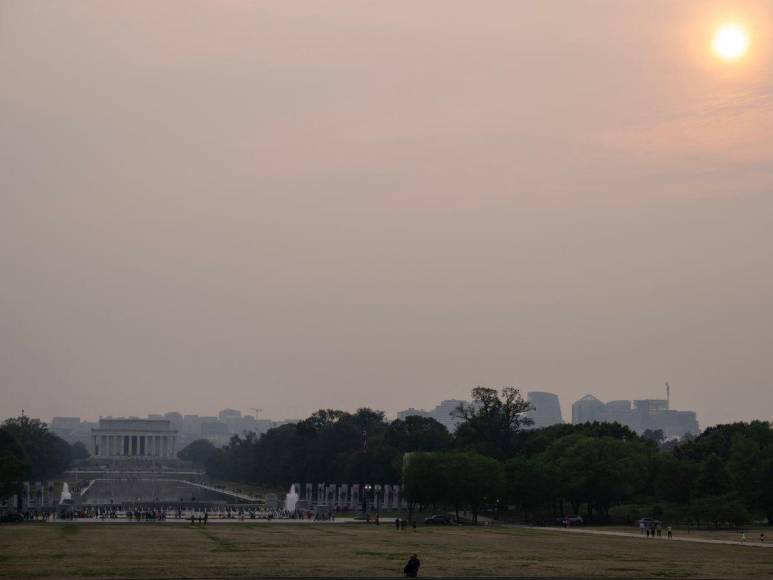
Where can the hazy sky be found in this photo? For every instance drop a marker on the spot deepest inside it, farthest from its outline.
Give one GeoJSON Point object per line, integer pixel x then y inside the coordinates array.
{"type": "Point", "coordinates": [295, 205]}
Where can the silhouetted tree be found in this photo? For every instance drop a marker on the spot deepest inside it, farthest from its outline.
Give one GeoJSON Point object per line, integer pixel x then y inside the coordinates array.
{"type": "Point", "coordinates": [44, 454]}
{"type": "Point", "coordinates": [78, 451]}
{"type": "Point", "coordinates": [199, 451]}
{"type": "Point", "coordinates": [492, 421]}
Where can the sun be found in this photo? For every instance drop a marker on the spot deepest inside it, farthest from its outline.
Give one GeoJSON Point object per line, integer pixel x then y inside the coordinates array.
{"type": "Point", "coordinates": [731, 41]}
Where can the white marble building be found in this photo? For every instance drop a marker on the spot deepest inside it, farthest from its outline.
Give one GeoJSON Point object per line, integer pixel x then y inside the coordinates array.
{"type": "Point", "coordinates": [137, 438]}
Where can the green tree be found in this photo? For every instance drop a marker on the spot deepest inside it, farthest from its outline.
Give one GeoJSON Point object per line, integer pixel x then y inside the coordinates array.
{"type": "Point", "coordinates": [599, 471]}
{"type": "Point", "coordinates": [417, 433]}
{"type": "Point", "coordinates": [78, 451]}
{"type": "Point", "coordinates": [532, 483]}
{"type": "Point", "coordinates": [474, 480]}
{"type": "Point", "coordinates": [714, 480]}
{"type": "Point", "coordinates": [12, 465]}
{"type": "Point", "coordinates": [44, 454]}
{"type": "Point", "coordinates": [656, 436]}
{"type": "Point", "coordinates": [199, 452]}
{"type": "Point", "coordinates": [719, 509]}
{"type": "Point", "coordinates": [766, 490]}
{"type": "Point", "coordinates": [492, 421]}
{"type": "Point", "coordinates": [675, 479]}
{"type": "Point", "coordinates": [425, 479]}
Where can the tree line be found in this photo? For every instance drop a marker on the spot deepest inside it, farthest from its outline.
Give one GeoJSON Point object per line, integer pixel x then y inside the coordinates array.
{"type": "Point", "coordinates": [30, 452]}
{"type": "Point", "coordinates": [495, 463]}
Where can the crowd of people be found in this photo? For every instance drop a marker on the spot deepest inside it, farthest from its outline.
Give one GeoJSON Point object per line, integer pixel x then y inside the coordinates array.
{"type": "Point", "coordinates": [655, 529]}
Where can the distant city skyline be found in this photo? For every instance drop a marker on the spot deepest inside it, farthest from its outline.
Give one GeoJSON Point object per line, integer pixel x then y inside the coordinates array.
{"type": "Point", "coordinates": [430, 409]}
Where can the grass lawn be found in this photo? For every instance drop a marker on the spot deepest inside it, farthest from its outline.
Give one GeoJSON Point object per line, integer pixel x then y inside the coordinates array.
{"type": "Point", "coordinates": [752, 533]}
{"type": "Point", "coordinates": [261, 549]}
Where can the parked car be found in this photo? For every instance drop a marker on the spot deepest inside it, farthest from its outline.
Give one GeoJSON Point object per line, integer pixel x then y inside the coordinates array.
{"type": "Point", "coordinates": [14, 517]}
{"type": "Point", "coordinates": [438, 520]}
{"type": "Point", "coordinates": [570, 520]}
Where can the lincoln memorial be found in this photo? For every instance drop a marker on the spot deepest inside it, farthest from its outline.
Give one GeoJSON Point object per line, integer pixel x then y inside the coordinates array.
{"type": "Point", "coordinates": [134, 438]}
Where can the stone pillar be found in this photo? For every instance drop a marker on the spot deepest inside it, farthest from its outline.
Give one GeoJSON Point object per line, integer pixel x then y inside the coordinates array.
{"type": "Point", "coordinates": [330, 498]}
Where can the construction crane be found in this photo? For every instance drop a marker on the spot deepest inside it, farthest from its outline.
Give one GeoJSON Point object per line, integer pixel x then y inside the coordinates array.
{"type": "Point", "coordinates": [257, 412]}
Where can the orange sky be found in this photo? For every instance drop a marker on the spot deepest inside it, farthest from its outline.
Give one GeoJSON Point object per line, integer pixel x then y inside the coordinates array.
{"type": "Point", "coordinates": [337, 204]}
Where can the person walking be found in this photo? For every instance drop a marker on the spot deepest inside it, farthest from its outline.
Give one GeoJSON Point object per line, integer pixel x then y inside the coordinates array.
{"type": "Point", "coordinates": [206, 517]}
{"type": "Point", "coordinates": [762, 536]}
{"type": "Point", "coordinates": [397, 524]}
{"type": "Point", "coordinates": [411, 569]}
{"type": "Point", "coordinates": [641, 527]}
{"type": "Point", "coordinates": [669, 533]}
{"type": "Point", "coordinates": [743, 537]}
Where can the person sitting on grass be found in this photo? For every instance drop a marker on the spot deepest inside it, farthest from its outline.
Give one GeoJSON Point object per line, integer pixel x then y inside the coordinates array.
{"type": "Point", "coordinates": [411, 569]}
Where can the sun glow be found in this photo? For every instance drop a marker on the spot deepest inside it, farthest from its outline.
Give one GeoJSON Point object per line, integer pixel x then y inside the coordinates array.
{"type": "Point", "coordinates": [731, 42]}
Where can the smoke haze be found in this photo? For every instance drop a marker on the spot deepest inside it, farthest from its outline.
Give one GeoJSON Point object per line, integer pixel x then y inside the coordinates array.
{"type": "Point", "coordinates": [344, 204]}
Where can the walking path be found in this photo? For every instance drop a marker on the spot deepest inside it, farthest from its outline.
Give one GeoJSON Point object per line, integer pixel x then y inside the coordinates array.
{"type": "Point", "coordinates": [750, 542]}
{"type": "Point", "coordinates": [234, 494]}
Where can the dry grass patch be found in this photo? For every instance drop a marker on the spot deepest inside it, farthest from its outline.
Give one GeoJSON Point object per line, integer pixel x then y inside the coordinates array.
{"type": "Point", "coordinates": [239, 550]}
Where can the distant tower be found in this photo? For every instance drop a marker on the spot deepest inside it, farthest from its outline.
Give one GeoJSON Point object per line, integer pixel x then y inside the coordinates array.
{"type": "Point", "coordinates": [668, 395]}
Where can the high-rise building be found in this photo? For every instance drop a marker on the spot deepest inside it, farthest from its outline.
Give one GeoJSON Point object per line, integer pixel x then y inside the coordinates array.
{"type": "Point", "coordinates": [546, 409]}
{"type": "Point", "coordinates": [226, 414]}
{"type": "Point", "coordinates": [443, 413]}
{"type": "Point", "coordinates": [588, 409]}
{"type": "Point", "coordinates": [642, 415]}
{"type": "Point", "coordinates": [65, 424]}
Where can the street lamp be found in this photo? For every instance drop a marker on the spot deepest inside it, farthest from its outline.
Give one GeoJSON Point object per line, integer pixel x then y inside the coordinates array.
{"type": "Point", "coordinates": [366, 490]}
